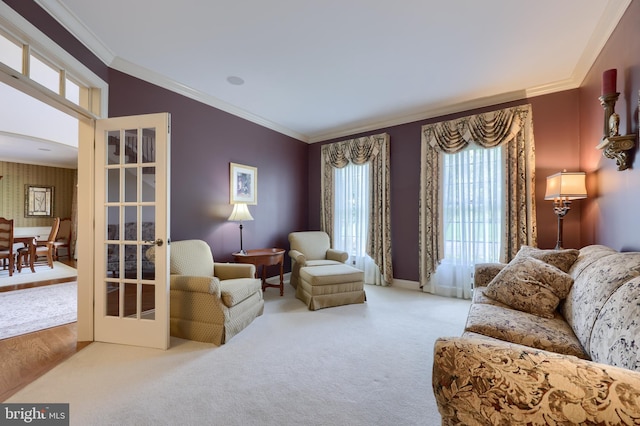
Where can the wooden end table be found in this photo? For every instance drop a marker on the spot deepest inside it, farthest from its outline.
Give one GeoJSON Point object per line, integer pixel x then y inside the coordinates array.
{"type": "Point", "coordinates": [264, 257]}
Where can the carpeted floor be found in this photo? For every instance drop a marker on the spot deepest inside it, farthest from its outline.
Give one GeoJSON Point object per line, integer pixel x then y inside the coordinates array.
{"type": "Point", "coordinates": [365, 364]}
{"type": "Point", "coordinates": [33, 309]}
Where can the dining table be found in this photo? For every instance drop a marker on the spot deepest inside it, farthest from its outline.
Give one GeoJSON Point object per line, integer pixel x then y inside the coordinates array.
{"type": "Point", "coordinates": [30, 242]}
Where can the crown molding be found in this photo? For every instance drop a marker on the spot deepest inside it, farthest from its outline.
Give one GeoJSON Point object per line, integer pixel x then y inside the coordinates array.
{"type": "Point", "coordinates": [182, 89]}
{"type": "Point", "coordinates": [80, 31]}
{"type": "Point", "coordinates": [608, 22]}
{"type": "Point", "coordinates": [434, 111]}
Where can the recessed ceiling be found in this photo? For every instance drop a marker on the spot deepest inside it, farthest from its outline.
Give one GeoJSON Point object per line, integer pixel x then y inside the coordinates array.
{"type": "Point", "coordinates": [317, 70]}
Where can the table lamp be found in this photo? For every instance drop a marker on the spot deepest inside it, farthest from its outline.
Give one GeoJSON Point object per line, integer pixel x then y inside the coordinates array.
{"type": "Point", "coordinates": [240, 212]}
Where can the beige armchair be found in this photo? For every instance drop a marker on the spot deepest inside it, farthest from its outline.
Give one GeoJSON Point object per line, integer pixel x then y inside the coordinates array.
{"type": "Point", "coordinates": [210, 302]}
{"type": "Point", "coordinates": [312, 248]}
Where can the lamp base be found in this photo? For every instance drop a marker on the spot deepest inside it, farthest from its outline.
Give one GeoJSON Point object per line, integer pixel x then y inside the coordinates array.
{"type": "Point", "coordinates": [560, 208]}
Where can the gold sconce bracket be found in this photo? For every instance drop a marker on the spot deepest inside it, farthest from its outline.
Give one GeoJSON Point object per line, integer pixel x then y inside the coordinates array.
{"type": "Point", "coordinates": [615, 146]}
{"type": "Point", "coordinates": [618, 148]}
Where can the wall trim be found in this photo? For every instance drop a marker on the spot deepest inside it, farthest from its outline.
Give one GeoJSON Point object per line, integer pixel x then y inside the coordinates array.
{"type": "Point", "coordinates": [406, 284]}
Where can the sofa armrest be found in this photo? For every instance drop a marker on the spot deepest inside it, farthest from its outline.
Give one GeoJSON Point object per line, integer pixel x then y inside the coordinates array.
{"type": "Point", "coordinates": [195, 284]}
{"type": "Point", "coordinates": [298, 257]}
{"type": "Point", "coordinates": [480, 382]}
{"type": "Point", "coordinates": [337, 255]}
{"type": "Point", "coordinates": [484, 272]}
{"type": "Point", "coordinates": [229, 271]}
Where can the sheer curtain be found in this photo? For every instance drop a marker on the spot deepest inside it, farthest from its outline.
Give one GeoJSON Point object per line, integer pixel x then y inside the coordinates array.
{"type": "Point", "coordinates": [472, 205]}
{"type": "Point", "coordinates": [351, 218]}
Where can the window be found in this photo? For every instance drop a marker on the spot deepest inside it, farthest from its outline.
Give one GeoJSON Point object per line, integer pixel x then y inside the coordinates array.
{"type": "Point", "coordinates": [351, 210]}
{"type": "Point", "coordinates": [472, 203]}
{"type": "Point", "coordinates": [42, 71]}
{"type": "Point", "coordinates": [44, 74]}
{"type": "Point", "coordinates": [351, 218]}
{"type": "Point", "coordinates": [10, 52]}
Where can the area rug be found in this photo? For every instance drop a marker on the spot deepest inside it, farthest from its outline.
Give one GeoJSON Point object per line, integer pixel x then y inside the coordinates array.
{"type": "Point", "coordinates": [356, 365]}
{"type": "Point", "coordinates": [42, 273]}
{"type": "Point", "coordinates": [33, 309]}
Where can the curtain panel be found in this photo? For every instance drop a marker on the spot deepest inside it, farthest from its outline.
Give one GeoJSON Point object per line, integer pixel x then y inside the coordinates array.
{"type": "Point", "coordinates": [512, 130]}
{"type": "Point", "coordinates": [375, 150]}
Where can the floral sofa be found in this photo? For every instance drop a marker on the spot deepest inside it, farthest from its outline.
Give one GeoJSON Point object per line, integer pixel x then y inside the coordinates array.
{"type": "Point", "coordinates": [552, 338]}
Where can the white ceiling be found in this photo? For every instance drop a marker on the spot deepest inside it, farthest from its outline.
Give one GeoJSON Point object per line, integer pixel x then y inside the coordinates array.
{"type": "Point", "coordinates": [33, 132]}
{"type": "Point", "coordinates": [315, 70]}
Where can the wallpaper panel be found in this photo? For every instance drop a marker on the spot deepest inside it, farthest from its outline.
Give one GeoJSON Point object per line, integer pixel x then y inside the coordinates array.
{"type": "Point", "coordinates": [12, 189]}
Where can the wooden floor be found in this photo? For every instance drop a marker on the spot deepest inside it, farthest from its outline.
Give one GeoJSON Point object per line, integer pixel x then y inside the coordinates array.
{"type": "Point", "coordinates": [27, 357]}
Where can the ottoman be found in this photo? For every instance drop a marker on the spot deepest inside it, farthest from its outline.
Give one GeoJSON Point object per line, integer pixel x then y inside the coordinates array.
{"type": "Point", "coordinates": [330, 285]}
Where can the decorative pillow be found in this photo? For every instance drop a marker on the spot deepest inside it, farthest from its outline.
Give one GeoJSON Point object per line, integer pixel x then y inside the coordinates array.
{"type": "Point", "coordinates": [562, 259]}
{"type": "Point", "coordinates": [530, 285]}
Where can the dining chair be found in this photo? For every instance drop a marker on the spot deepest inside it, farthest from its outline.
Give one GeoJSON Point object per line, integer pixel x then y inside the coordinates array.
{"type": "Point", "coordinates": [63, 239]}
{"type": "Point", "coordinates": [44, 248]}
{"type": "Point", "coordinates": [6, 244]}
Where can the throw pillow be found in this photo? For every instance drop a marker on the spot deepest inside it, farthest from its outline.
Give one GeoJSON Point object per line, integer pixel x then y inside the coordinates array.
{"type": "Point", "coordinates": [530, 285]}
{"type": "Point", "coordinates": [562, 259]}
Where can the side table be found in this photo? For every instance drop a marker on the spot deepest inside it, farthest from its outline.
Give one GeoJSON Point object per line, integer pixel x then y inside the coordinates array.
{"type": "Point", "coordinates": [264, 257]}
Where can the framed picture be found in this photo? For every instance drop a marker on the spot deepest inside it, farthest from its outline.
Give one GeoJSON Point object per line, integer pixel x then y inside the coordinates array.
{"type": "Point", "coordinates": [38, 201]}
{"type": "Point", "coordinates": [243, 184]}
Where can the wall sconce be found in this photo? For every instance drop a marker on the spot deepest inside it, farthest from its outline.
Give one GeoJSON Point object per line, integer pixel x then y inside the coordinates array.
{"type": "Point", "coordinates": [240, 212]}
{"type": "Point", "coordinates": [562, 188]}
{"type": "Point", "coordinates": [614, 145]}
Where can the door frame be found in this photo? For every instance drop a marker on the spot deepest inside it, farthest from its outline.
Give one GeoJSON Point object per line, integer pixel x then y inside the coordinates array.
{"type": "Point", "coordinates": [14, 24]}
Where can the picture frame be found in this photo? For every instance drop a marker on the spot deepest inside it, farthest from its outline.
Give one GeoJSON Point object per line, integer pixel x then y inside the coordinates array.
{"type": "Point", "coordinates": [243, 184]}
{"type": "Point", "coordinates": [38, 200]}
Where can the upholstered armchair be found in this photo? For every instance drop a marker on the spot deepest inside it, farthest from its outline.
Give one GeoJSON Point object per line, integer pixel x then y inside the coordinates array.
{"type": "Point", "coordinates": [311, 248]}
{"type": "Point", "coordinates": [210, 302]}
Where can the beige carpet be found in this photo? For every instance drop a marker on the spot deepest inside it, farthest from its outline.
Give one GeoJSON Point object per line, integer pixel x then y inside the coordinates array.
{"type": "Point", "coordinates": [42, 273]}
{"type": "Point", "coordinates": [365, 364]}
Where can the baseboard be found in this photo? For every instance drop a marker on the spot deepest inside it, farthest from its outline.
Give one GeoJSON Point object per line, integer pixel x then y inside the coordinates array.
{"type": "Point", "coordinates": [276, 278]}
{"type": "Point", "coordinates": [406, 284]}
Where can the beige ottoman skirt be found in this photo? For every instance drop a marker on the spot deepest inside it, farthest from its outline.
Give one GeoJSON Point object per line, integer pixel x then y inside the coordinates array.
{"type": "Point", "coordinates": [330, 285]}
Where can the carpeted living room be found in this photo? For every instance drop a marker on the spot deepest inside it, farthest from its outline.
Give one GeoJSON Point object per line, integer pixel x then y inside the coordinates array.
{"type": "Point", "coordinates": [466, 174]}
{"type": "Point", "coordinates": [358, 364]}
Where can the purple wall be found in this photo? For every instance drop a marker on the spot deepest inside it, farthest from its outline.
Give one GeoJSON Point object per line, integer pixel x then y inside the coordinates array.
{"type": "Point", "coordinates": [610, 215]}
{"type": "Point", "coordinates": [204, 141]}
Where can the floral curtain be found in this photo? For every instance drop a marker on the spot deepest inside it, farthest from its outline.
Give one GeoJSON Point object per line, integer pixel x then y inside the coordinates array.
{"type": "Point", "coordinates": [510, 128]}
{"type": "Point", "coordinates": [375, 150]}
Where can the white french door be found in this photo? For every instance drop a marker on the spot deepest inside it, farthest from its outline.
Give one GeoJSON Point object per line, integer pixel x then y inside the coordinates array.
{"type": "Point", "coordinates": [132, 229]}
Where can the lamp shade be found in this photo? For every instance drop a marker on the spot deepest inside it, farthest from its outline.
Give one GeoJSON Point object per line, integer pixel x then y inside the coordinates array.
{"type": "Point", "coordinates": [240, 213]}
{"type": "Point", "coordinates": [566, 185]}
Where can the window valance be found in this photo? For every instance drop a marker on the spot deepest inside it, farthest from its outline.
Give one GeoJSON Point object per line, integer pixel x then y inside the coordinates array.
{"type": "Point", "coordinates": [487, 130]}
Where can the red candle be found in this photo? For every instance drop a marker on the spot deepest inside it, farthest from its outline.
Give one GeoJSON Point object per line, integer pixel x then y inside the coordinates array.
{"type": "Point", "coordinates": [609, 78]}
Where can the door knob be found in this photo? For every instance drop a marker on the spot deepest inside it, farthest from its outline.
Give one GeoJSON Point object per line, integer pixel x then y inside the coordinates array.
{"type": "Point", "coordinates": [157, 242]}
